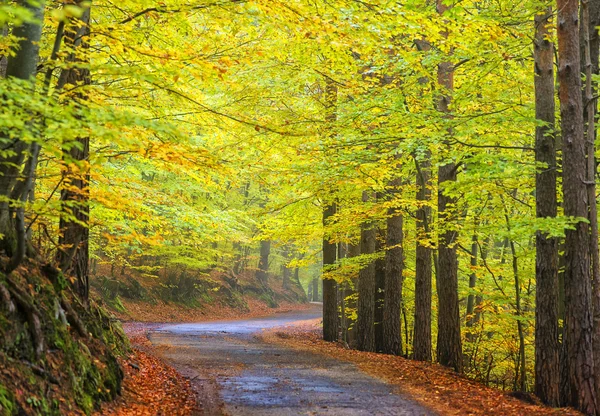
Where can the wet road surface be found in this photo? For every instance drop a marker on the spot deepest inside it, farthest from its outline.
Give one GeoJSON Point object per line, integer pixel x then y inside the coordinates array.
{"type": "Point", "coordinates": [235, 373]}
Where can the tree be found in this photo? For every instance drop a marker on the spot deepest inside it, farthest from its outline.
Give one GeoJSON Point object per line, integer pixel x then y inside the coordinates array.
{"type": "Point", "coordinates": [262, 271]}
{"type": "Point", "coordinates": [330, 305]}
{"type": "Point", "coordinates": [73, 253]}
{"type": "Point", "coordinates": [365, 328]}
{"type": "Point", "coordinates": [330, 287]}
{"type": "Point", "coordinates": [394, 262]}
{"type": "Point", "coordinates": [590, 50]}
{"type": "Point", "coordinates": [17, 180]}
{"type": "Point", "coordinates": [580, 390]}
{"type": "Point", "coordinates": [546, 328]}
{"type": "Point", "coordinates": [449, 346]}
{"type": "Point", "coordinates": [423, 291]}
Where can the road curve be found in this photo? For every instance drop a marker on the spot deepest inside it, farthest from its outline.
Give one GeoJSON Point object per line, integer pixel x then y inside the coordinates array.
{"type": "Point", "coordinates": [235, 373]}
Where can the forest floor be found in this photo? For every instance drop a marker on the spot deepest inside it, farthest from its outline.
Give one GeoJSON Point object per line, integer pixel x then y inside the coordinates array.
{"type": "Point", "coordinates": [278, 365]}
{"type": "Point", "coordinates": [234, 372]}
{"type": "Point", "coordinates": [153, 387]}
{"type": "Point", "coordinates": [430, 385]}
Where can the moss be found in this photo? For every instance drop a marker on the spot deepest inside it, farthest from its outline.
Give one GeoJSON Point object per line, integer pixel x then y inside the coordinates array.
{"type": "Point", "coordinates": [269, 300]}
{"type": "Point", "coordinates": [8, 406]}
{"type": "Point", "coordinates": [87, 368]}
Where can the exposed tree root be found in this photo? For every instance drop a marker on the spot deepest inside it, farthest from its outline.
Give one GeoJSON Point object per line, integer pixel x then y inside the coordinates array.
{"type": "Point", "coordinates": [25, 303]}
{"type": "Point", "coordinates": [6, 299]}
{"type": "Point", "coordinates": [73, 318]}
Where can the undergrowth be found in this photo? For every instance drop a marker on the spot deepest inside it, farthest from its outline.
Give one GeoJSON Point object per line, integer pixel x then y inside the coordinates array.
{"type": "Point", "coordinates": [67, 361]}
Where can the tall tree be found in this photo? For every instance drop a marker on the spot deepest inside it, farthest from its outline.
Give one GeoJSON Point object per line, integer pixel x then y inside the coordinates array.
{"type": "Point", "coordinates": [365, 329]}
{"type": "Point", "coordinates": [73, 253]}
{"type": "Point", "coordinates": [330, 307]}
{"type": "Point", "coordinates": [590, 45]}
{"type": "Point", "coordinates": [394, 262]}
{"type": "Point", "coordinates": [379, 286]}
{"type": "Point", "coordinates": [262, 272]}
{"type": "Point", "coordinates": [330, 303]}
{"type": "Point", "coordinates": [580, 391]}
{"type": "Point", "coordinates": [449, 346]}
{"type": "Point", "coordinates": [423, 290]}
{"type": "Point", "coordinates": [547, 374]}
{"type": "Point", "coordinates": [16, 179]}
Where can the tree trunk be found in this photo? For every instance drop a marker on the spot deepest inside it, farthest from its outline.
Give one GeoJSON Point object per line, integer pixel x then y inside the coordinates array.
{"type": "Point", "coordinates": [423, 290]}
{"type": "Point", "coordinates": [589, 35]}
{"type": "Point", "coordinates": [521, 373]}
{"type": "Point", "coordinates": [449, 347]}
{"type": "Point", "coordinates": [547, 376]}
{"type": "Point", "coordinates": [379, 290]}
{"type": "Point", "coordinates": [394, 262]}
{"type": "Point", "coordinates": [263, 263]}
{"type": "Point", "coordinates": [472, 284]}
{"type": "Point", "coordinates": [73, 253]}
{"type": "Point", "coordinates": [315, 289]}
{"type": "Point", "coordinates": [365, 329]}
{"type": "Point", "coordinates": [579, 358]}
{"type": "Point", "coordinates": [22, 65]}
{"type": "Point", "coordinates": [286, 277]}
{"type": "Point", "coordinates": [330, 309]}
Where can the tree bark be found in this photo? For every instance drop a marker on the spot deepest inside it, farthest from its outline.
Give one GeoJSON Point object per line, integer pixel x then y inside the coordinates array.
{"type": "Point", "coordinates": [579, 358]}
{"type": "Point", "coordinates": [590, 45]}
{"type": "Point", "coordinates": [394, 263]}
{"type": "Point", "coordinates": [21, 65]}
{"type": "Point", "coordinates": [449, 346]}
{"type": "Point", "coordinates": [330, 307]}
{"type": "Point", "coordinates": [365, 328]}
{"type": "Point", "coordinates": [73, 253]}
{"type": "Point", "coordinates": [263, 263]}
{"type": "Point", "coordinates": [472, 284]}
{"type": "Point", "coordinates": [547, 375]}
{"type": "Point", "coordinates": [379, 288]}
{"type": "Point", "coordinates": [423, 290]}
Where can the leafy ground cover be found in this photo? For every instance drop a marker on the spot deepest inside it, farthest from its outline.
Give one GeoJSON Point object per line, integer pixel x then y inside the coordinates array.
{"type": "Point", "coordinates": [57, 355]}
{"type": "Point", "coordinates": [151, 386]}
{"type": "Point", "coordinates": [430, 384]}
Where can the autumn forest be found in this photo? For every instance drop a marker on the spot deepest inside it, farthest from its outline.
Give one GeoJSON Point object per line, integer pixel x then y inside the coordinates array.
{"type": "Point", "coordinates": [424, 168]}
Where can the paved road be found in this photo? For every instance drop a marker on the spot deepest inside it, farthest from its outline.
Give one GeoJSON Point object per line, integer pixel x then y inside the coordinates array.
{"type": "Point", "coordinates": [234, 373]}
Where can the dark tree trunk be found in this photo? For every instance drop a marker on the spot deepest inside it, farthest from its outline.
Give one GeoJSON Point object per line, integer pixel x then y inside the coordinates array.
{"type": "Point", "coordinates": [15, 181]}
{"type": "Point", "coordinates": [472, 284]}
{"type": "Point", "coordinates": [315, 290]}
{"type": "Point", "coordinates": [73, 253]}
{"type": "Point", "coordinates": [349, 329]}
{"type": "Point", "coordinates": [394, 263]}
{"type": "Point", "coordinates": [286, 272]}
{"type": "Point", "coordinates": [423, 290]}
{"type": "Point", "coordinates": [330, 307]}
{"type": "Point", "coordinates": [297, 283]}
{"type": "Point", "coordinates": [579, 358]}
{"type": "Point", "coordinates": [590, 44]}
{"type": "Point", "coordinates": [449, 346]}
{"type": "Point", "coordinates": [379, 291]}
{"type": "Point", "coordinates": [520, 383]}
{"type": "Point", "coordinates": [547, 374]}
{"type": "Point", "coordinates": [365, 328]}
{"type": "Point", "coordinates": [262, 274]}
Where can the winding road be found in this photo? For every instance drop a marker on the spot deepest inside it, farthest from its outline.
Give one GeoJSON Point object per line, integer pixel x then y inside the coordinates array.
{"type": "Point", "coordinates": [235, 373]}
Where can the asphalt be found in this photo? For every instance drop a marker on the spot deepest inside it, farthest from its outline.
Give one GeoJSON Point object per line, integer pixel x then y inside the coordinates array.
{"type": "Point", "coordinates": [235, 373]}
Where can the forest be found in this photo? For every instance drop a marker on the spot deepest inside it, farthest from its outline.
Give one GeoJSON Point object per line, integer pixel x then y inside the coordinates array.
{"type": "Point", "coordinates": [425, 168]}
